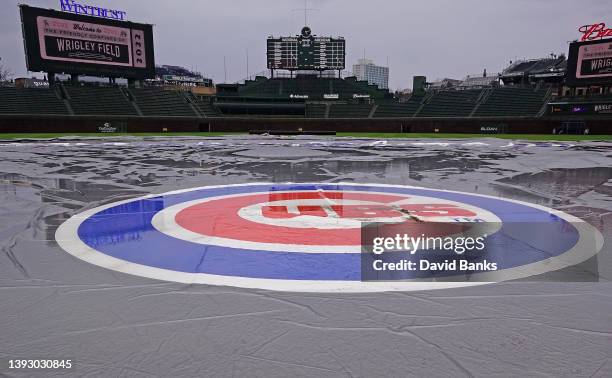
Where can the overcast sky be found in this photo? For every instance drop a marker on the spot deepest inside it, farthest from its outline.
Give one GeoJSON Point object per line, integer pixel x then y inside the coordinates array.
{"type": "Point", "coordinates": [435, 38]}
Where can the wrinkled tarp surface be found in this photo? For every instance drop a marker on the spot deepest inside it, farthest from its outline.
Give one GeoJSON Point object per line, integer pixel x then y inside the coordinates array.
{"type": "Point", "coordinates": [55, 306]}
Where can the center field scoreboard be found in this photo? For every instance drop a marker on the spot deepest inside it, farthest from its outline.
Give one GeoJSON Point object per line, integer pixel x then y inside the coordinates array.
{"type": "Point", "coordinates": [306, 52]}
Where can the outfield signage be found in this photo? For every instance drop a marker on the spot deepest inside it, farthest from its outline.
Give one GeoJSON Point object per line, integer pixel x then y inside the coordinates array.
{"type": "Point", "coordinates": [580, 108]}
{"type": "Point", "coordinates": [595, 31]}
{"type": "Point", "coordinates": [88, 10]}
{"type": "Point", "coordinates": [180, 78]}
{"type": "Point", "coordinates": [590, 63]}
{"type": "Point", "coordinates": [108, 127]}
{"type": "Point", "coordinates": [31, 83]}
{"type": "Point", "coordinates": [84, 42]}
{"type": "Point", "coordinates": [81, 44]}
{"type": "Point", "coordinates": [594, 60]}
{"type": "Point", "coordinates": [603, 108]}
{"type": "Point", "coordinates": [493, 128]}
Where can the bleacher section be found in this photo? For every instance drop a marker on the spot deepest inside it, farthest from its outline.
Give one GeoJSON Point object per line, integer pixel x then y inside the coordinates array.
{"type": "Point", "coordinates": [349, 86]}
{"type": "Point", "coordinates": [99, 101]}
{"type": "Point", "coordinates": [207, 109]}
{"type": "Point", "coordinates": [316, 110]}
{"type": "Point", "coordinates": [315, 88]}
{"type": "Point", "coordinates": [505, 101]}
{"type": "Point", "coordinates": [155, 102]}
{"type": "Point", "coordinates": [203, 105]}
{"type": "Point", "coordinates": [30, 101]}
{"type": "Point", "coordinates": [260, 87]}
{"type": "Point", "coordinates": [512, 102]}
{"type": "Point", "coordinates": [350, 110]}
{"type": "Point", "coordinates": [450, 104]}
{"type": "Point", "coordinates": [395, 109]}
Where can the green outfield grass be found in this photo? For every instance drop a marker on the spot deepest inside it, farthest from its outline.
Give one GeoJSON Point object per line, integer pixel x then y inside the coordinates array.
{"type": "Point", "coordinates": [545, 137]}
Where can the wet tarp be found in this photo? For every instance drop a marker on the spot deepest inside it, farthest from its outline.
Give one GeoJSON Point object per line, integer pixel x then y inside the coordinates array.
{"type": "Point", "coordinates": [55, 306]}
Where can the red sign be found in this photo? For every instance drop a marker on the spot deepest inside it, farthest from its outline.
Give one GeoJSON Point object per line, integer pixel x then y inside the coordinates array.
{"type": "Point", "coordinates": [595, 31]}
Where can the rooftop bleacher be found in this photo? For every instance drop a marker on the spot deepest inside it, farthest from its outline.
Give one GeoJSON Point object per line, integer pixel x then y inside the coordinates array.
{"type": "Point", "coordinates": [532, 65]}
{"type": "Point", "coordinates": [476, 81]}
{"type": "Point", "coordinates": [534, 70]}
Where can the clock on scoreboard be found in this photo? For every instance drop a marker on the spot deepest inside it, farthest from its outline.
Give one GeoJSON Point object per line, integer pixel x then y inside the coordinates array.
{"type": "Point", "coordinates": [306, 52]}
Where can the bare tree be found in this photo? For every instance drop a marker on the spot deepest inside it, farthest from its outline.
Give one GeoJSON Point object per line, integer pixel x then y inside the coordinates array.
{"type": "Point", "coordinates": [5, 73]}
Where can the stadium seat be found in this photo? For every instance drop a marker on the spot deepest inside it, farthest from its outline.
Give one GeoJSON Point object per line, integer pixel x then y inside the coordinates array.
{"type": "Point", "coordinates": [30, 101]}
{"type": "Point", "coordinates": [396, 109]}
{"type": "Point", "coordinates": [99, 101]}
{"type": "Point", "coordinates": [157, 102]}
{"type": "Point", "coordinates": [350, 110]}
{"type": "Point", "coordinates": [203, 104]}
{"type": "Point", "coordinates": [512, 102]}
{"type": "Point", "coordinates": [450, 104]}
{"type": "Point", "coordinates": [314, 87]}
{"type": "Point", "coordinates": [315, 110]}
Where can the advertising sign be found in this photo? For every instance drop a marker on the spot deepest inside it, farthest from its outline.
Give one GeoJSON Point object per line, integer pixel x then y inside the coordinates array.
{"type": "Point", "coordinates": [77, 44]}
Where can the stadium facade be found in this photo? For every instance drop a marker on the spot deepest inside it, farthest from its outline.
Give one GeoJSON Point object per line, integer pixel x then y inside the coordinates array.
{"type": "Point", "coordinates": [304, 90]}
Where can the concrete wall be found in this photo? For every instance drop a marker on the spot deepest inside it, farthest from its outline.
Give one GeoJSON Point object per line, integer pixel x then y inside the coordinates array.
{"type": "Point", "coordinates": [92, 124]}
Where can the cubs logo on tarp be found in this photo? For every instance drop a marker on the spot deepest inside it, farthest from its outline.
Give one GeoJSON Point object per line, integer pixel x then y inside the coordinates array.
{"type": "Point", "coordinates": [301, 237]}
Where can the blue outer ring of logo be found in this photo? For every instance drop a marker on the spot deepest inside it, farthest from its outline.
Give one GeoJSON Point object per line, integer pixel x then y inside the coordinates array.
{"type": "Point", "coordinates": [125, 232]}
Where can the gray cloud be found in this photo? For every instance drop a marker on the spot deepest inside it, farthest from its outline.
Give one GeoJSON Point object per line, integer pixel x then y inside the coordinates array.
{"type": "Point", "coordinates": [436, 38]}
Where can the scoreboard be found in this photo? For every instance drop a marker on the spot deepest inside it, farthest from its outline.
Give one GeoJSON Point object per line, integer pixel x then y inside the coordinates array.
{"type": "Point", "coordinates": [590, 63]}
{"type": "Point", "coordinates": [78, 44]}
{"type": "Point", "coordinates": [306, 52]}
